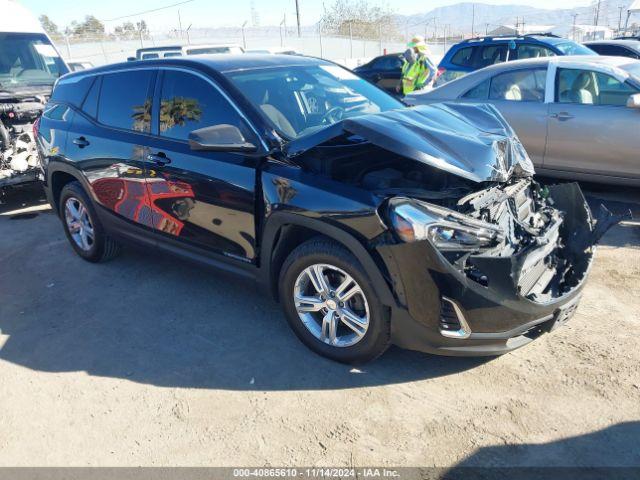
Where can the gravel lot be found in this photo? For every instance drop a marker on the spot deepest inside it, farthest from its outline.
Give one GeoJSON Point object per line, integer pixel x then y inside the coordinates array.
{"type": "Point", "coordinates": [142, 361]}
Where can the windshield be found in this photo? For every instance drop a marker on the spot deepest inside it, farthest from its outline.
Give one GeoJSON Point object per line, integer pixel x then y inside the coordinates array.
{"type": "Point", "coordinates": [299, 100]}
{"type": "Point", "coordinates": [28, 60]}
{"type": "Point", "coordinates": [573, 48]}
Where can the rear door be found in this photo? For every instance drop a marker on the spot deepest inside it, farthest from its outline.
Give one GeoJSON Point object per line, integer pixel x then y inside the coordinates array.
{"type": "Point", "coordinates": [590, 128]}
{"type": "Point", "coordinates": [109, 140]}
{"type": "Point", "coordinates": [200, 199]}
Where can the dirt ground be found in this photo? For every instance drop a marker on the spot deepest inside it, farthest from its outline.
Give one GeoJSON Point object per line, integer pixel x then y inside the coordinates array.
{"type": "Point", "coordinates": [142, 361]}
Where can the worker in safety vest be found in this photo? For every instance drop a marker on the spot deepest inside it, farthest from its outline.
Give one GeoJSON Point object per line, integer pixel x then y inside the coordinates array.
{"type": "Point", "coordinates": [417, 69]}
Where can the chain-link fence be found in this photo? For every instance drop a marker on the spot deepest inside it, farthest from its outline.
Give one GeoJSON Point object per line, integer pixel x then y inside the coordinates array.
{"type": "Point", "coordinates": [103, 48]}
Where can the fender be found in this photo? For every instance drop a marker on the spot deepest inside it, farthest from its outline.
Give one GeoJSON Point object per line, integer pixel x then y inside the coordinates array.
{"type": "Point", "coordinates": [56, 166]}
{"type": "Point", "coordinates": [277, 220]}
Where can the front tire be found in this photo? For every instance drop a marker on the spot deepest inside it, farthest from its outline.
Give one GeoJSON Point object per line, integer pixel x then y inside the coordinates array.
{"type": "Point", "coordinates": [82, 226]}
{"type": "Point", "coordinates": [331, 304]}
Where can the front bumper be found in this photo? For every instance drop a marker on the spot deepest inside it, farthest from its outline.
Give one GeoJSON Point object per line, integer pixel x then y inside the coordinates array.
{"type": "Point", "coordinates": [498, 319]}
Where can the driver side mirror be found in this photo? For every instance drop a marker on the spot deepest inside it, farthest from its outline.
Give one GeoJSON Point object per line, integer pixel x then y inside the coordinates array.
{"type": "Point", "coordinates": [220, 138]}
{"type": "Point", "coordinates": [634, 101]}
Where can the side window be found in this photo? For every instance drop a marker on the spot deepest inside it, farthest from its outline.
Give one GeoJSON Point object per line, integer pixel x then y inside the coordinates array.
{"type": "Point", "coordinates": [587, 87]}
{"type": "Point", "coordinates": [479, 92]}
{"type": "Point", "coordinates": [124, 100]}
{"type": "Point", "coordinates": [90, 105]}
{"type": "Point", "coordinates": [519, 86]}
{"type": "Point", "coordinates": [491, 55]}
{"type": "Point", "coordinates": [189, 103]}
{"type": "Point", "coordinates": [463, 57]}
{"type": "Point", "coordinates": [526, 50]}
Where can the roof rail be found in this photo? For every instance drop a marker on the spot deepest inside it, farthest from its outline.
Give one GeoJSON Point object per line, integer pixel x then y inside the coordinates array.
{"type": "Point", "coordinates": [523, 35]}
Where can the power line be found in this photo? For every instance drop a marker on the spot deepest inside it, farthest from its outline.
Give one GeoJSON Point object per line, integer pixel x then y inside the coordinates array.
{"type": "Point", "coordinates": [148, 11]}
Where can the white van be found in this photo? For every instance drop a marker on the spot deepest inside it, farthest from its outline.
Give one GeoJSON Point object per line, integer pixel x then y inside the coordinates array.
{"type": "Point", "coordinates": [29, 66]}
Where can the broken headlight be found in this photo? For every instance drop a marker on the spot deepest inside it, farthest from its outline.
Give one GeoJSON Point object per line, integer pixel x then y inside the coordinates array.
{"type": "Point", "coordinates": [413, 220]}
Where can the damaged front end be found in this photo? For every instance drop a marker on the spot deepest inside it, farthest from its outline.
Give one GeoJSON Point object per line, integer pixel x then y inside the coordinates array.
{"type": "Point", "coordinates": [18, 152]}
{"type": "Point", "coordinates": [475, 249]}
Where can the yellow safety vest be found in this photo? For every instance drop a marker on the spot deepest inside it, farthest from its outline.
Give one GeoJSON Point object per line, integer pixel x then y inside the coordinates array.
{"type": "Point", "coordinates": [414, 75]}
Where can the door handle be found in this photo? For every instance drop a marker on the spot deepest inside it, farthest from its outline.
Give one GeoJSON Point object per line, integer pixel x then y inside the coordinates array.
{"type": "Point", "coordinates": [158, 158]}
{"type": "Point", "coordinates": [81, 142]}
{"type": "Point", "coordinates": [562, 116]}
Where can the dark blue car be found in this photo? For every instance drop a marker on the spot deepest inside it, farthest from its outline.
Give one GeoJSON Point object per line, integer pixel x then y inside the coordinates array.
{"type": "Point", "coordinates": [480, 52]}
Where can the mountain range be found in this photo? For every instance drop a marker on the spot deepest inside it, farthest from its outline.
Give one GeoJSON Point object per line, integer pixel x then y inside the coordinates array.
{"type": "Point", "coordinates": [487, 17]}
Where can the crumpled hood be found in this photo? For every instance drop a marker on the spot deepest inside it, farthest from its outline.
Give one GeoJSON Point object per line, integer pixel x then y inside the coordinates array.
{"type": "Point", "coordinates": [472, 141]}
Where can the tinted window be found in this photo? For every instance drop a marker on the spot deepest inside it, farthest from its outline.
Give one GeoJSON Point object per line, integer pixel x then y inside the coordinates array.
{"type": "Point", "coordinates": [90, 105]}
{"type": "Point", "coordinates": [527, 50]}
{"type": "Point", "coordinates": [189, 103]}
{"type": "Point", "coordinates": [491, 55]}
{"type": "Point", "coordinates": [587, 87]}
{"type": "Point", "coordinates": [479, 92]}
{"type": "Point", "coordinates": [519, 86]}
{"type": "Point", "coordinates": [613, 50]}
{"type": "Point", "coordinates": [124, 100]}
{"type": "Point", "coordinates": [57, 112]}
{"type": "Point", "coordinates": [463, 57]}
{"type": "Point", "coordinates": [150, 56]}
{"type": "Point", "coordinates": [72, 90]}
{"type": "Point", "coordinates": [388, 63]}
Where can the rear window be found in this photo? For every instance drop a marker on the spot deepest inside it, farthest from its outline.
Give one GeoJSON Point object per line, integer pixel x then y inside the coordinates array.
{"type": "Point", "coordinates": [125, 101]}
{"type": "Point", "coordinates": [463, 57]}
{"type": "Point", "coordinates": [72, 91]}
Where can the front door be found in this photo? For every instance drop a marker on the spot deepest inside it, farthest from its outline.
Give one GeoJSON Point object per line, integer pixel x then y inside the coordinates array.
{"type": "Point", "coordinates": [200, 198]}
{"type": "Point", "coordinates": [590, 128]}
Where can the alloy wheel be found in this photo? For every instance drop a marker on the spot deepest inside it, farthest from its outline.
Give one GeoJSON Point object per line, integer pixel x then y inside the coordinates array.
{"type": "Point", "coordinates": [331, 305]}
{"type": "Point", "coordinates": [79, 223]}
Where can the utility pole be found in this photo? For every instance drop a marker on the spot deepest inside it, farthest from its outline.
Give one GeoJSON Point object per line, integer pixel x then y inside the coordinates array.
{"type": "Point", "coordinates": [188, 35]}
{"type": "Point", "coordinates": [281, 39]}
{"type": "Point", "coordinates": [486, 29]}
{"type": "Point", "coordinates": [298, 17]}
{"type": "Point", "coordinates": [179, 24]}
{"type": "Point", "coordinates": [597, 16]}
{"type": "Point", "coordinates": [473, 18]}
{"type": "Point", "coordinates": [620, 8]}
{"type": "Point", "coordinates": [575, 33]}
{"type": "Point", "coordinates": [244, 39]}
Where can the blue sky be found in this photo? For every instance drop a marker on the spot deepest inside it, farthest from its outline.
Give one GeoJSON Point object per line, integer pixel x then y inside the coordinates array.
{"type": "Point", "coordinates": [208, 13]}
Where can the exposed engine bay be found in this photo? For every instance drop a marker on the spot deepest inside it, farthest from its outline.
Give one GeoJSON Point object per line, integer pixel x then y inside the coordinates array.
{"type": "Point", "coordinates": [18, 154]}
{"type": "Point", "coordinates": [461, 168]}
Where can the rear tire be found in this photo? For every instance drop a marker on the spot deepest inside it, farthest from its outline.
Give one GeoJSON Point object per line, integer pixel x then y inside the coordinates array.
{"type": "Point", "coordinates": [348, 329]}
{"type": "Point", "coordinates": [82, 226]}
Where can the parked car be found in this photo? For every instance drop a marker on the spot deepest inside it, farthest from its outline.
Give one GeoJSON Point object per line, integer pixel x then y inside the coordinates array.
{"type": "Point", "coordinates": [79, 65]}
{"type": "Point", "coordinates": [616, 48]}
{"type": "Point", "coordinates": [29, 66]}
{"type": "Point", "coordinates": [384, 71]}
{"type": "Point", "coordinates": [152, 53]}
{"type": "Point", "coordinates": [372, 223]}
{"type": "Point", "coordinates": [578, 117]}
{"type": "Point", "coordinates": [476, 53]}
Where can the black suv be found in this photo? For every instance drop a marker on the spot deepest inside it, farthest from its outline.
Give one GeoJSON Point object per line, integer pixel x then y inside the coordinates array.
{"type": "Point", "coordinates": [371, 222]}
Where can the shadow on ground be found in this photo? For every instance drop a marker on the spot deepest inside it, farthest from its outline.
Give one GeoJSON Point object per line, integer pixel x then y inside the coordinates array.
{"type": "Point", "coordinates": [612, 452]}
{"type": "Point", "coordinates": [152, 319]}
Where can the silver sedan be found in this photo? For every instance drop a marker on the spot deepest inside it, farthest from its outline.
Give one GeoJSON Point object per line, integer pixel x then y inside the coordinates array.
{"type": "Point", "coordinates": [578, 117]}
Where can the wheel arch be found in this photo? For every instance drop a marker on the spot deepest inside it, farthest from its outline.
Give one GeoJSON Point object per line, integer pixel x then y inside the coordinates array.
{"type": "Point", "coordinates": [58, 178]}
{"type": "Point", "coordinates": [285, 231]}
